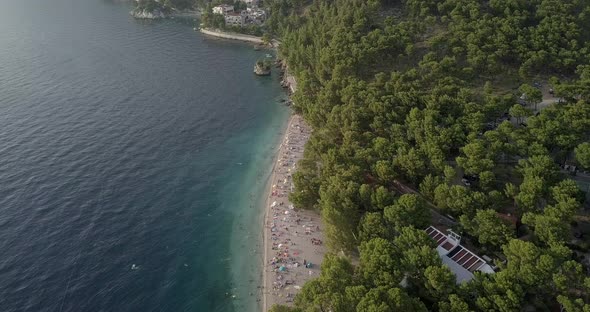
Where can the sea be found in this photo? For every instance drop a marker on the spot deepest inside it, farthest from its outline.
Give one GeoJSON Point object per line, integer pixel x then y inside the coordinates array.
{"type": "Point", "coordinates": [134, 160]}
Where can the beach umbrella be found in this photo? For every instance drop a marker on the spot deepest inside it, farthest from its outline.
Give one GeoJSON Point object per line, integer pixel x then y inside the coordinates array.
{"type": "Point", "coordinates": [282, 269]}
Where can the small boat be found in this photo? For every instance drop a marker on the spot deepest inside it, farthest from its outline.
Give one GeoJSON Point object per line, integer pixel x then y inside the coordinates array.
{"type": "Point", "coordinates": [268, 55]}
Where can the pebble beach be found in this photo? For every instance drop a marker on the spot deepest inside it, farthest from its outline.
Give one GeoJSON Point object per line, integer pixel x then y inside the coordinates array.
{"type": "Point", "coordinates": [293, 238]}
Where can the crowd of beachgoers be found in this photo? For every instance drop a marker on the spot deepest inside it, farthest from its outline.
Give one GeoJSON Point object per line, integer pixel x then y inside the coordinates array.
{"type": "Point", "coordinates": [293, 237]}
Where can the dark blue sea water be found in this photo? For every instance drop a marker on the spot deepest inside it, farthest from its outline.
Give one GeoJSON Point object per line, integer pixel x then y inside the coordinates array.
{"type": "Point", "coordinates": [133, 156]}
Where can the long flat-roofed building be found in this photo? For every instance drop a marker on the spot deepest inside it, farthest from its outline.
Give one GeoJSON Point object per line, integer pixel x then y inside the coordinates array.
{"type": "Point", "coordinates": [462, 262]}
{"type": "Point", "coordinates": [223, 9]}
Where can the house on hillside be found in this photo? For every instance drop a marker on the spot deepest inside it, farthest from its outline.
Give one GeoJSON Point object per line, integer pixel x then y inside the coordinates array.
{"type": "Point", "coordinates": [235, 19]}
{"type": "Point", "coordinates": [251, 3]}
{"type": "Point", "coordinates": [462, 262]}
{"type": "Point", "coordinates": [223, 9]}
{"type": "Point", "coordinates": [255, 15]}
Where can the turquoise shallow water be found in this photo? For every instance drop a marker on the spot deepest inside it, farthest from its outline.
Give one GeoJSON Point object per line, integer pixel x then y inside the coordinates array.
{"type": "Point", "coordinates": [134, 156]}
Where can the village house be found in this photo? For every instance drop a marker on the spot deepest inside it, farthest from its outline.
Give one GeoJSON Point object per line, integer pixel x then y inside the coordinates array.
{"type": "Point", "coordinates": [255, 15]}
{"type": "Point", "coordinates": [251, 15]}
{"type": "Point", "coordinates": [251, 3]}
{"type": "Point", "coordinates": [235, 19]}
{"type": "Point", "coordinates": [223, 9]}
{"type": "Point", "coordinates": [461, 261]}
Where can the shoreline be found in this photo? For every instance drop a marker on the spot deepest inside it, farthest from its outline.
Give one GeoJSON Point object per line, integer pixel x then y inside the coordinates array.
{"type": "Point", "coordinates": [230, 35]}
{"type": "Point", "coordinates": [238, 37]}
{"type": "Point", "coordinates": [265, 214]}
{"type": "Point", "coordinates": [291, 236]}
{"type": "Point", "coordinates": [296, 237]}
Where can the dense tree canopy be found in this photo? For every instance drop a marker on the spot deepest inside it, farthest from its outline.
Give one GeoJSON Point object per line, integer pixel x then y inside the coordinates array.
{"type": "Point", "coordinates": [440, 97]}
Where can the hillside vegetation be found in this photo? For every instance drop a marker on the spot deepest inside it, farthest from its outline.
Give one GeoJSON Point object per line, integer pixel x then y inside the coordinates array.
{"type": "Point", "coordinates": [423, 93]}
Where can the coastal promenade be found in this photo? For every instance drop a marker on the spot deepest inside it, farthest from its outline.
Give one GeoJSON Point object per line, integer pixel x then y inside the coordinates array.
{"type": "Point", "coordinates": [231, 36]}
{"type": "Point", "coordinates": [293, 238]}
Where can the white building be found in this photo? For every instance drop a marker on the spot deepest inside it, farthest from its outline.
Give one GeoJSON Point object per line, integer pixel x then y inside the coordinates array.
{"type": "Point", "coordinates": [254, 15]}
{"type": "Point", "coordinates": [459, 259]}
{"type": "Point", "coordinates": [223, 9]}
{"type": "Point", "coordinates": [251, 3]}
{"type": "Point", "coordinates": [235, 19]}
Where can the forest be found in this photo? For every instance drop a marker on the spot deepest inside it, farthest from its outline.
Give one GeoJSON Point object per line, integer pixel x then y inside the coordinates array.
{"type": "Point", "coordinates": [471, 111]}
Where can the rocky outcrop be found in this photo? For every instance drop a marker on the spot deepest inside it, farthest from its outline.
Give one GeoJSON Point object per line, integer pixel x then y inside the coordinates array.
{"type": "Point", "coordinates": [262, 68]}
{"type": "Point", "coordinates": [145, 14]}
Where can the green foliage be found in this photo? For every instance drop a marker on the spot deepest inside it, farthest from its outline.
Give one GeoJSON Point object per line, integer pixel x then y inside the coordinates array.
{"type": "Point", "coordinates": [280, 308]}
{"type": "Point", "coordinates": [583, 155]}
{"type": "Point", "coordinates": [408, 210]}
{"type": "Point", "coordinates": [211, 20]}
{"type": "Point", "coordinates": [566, 190]}
{"type": "Point", "coordinates": [440, 281]}
{"type": "Point", "coordinates": [328, 290]}
{"type": "Point", "coordinates": [339, 208]}
{"type": "Point", "coordinates": [519, 112]}
{"type": "Point", "coordinates": [373, 225]}
{"type": "Point", "coordinates": [531, 94]}
{"type": "Point", "coordinates": [264, 64]}
{"type": "Point", "coordinates": [538, 166]}
{"type": "Point", "coordinates": [553, 225]}
{"type": "Point", "coordinates": [530, 193]}
{"type": "Point", "coordinates": [487, 179]}
{"type": "Point", "coordinates": [384, 299]}
{"type": "Point", "coordinates": [450, 174]}
{"type": "Point", "coordinates": [308, 183]}
{"type": "Point", "coordinates": [405, 94]}
{"type": "Point", "coordinates": [148, 5]}
{"type": "Point", "coordinates": [476, 158]}
{"type": "Point", "coordinates": [429, 184]}
{"type": "Point", "coordinates": [416, 253]}
{"type": "Point", "coordinates": [488, 228]}
{"type": "Point", "coordinates": [381, 198]}
{"type": "Point", "coordinates": [454, 304]}
{"type": "Point", "coordinates": [378, 264]}
{"type": "Point", "coordinates": [458, 200]}
{"type": "Point", "coordinates": [573, 305]}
